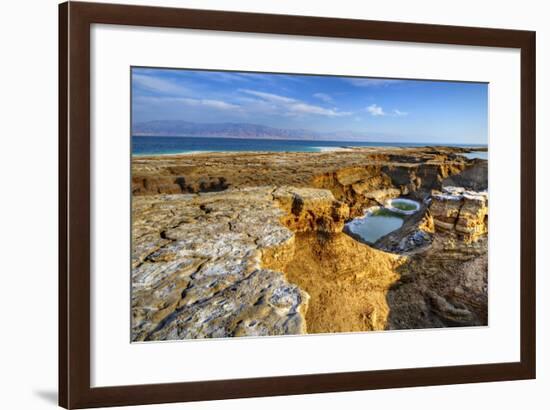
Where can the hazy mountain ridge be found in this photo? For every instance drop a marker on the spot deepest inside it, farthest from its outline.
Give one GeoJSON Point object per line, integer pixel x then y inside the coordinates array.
{"type": "Point", "coordinates": [232, 130]}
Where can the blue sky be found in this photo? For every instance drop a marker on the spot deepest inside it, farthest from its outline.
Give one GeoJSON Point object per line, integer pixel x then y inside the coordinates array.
{"type": "Point", "coordinates": [380, 109]}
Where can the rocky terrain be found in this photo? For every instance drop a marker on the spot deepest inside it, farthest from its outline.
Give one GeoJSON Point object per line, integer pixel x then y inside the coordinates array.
{"type": "Point", "coordinates": [250, 244]}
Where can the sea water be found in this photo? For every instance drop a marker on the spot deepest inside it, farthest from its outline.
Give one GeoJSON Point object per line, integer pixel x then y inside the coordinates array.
{"type": "Point", "coordinates": [157, 145]}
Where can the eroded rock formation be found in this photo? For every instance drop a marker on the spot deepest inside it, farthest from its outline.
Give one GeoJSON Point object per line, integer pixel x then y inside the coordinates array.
{"type": "Point", "coordinates": [461, 211]}
{"type": "Point", "coordinates": [367, 169]}
{"type": "Point", "coordinates": [251, 244]}
{"type": "Point", "coordinates": [209, 265]}
{"type": "Point", "coordinates": [445, 285]}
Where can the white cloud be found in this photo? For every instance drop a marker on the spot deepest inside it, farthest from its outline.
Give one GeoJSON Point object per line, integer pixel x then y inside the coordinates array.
{"type": "Point", "coordinates": [372, 82]}
{"type": "Point", "coordinates": [324, 97]}
{"type": "Point", "coordinates": [292, 106]}
{"type": "Point", "coordinates": [221, 105]}
{"type": "Point", "coordinates": [158, 85]}
{"type": "Point", "coordinates": [270, 97]}
{"type": "Point", "coordinates": [302, 108]}
{"type": "Point", "coordinates": [375, 110]}
{"type": "Point", "coordinates": [194, 102]}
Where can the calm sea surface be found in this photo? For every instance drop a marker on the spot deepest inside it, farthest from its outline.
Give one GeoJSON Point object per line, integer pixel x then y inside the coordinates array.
{"type": "Point", "coordinates": [180, 145]}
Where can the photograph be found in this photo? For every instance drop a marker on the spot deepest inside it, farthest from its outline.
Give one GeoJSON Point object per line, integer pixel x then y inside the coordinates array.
{"type": "Point", "coordinates": [275, 205]}
{"type": "Point", "coordinates": [271, 204]}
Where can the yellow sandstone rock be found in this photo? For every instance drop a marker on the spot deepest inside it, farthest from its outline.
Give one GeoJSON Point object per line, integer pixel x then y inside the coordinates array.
{"type": "Point", "coordinates": [251, 244]}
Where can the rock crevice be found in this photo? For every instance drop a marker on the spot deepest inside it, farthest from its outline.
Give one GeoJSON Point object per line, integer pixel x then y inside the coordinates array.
{"type": "Point", "coordinates": [216, 267]}
{"type": "Point", "coordinates": [246, 257]}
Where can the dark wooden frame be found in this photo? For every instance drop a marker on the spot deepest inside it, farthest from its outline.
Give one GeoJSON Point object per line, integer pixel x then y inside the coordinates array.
{"type": "Point", "coordinates": [75, 20]}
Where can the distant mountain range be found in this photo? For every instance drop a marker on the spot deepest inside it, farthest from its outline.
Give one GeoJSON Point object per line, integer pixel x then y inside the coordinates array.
{"type": "Point", "coordinates": [173, 128]}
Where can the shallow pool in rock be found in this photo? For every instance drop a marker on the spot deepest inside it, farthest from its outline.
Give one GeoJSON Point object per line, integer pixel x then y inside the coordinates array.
{"type": "Point", "coordinates": [374, 225]}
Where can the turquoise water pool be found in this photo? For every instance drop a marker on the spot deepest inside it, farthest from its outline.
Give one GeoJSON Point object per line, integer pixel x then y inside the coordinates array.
{"type": "Point", "coordinates": [374, 225]}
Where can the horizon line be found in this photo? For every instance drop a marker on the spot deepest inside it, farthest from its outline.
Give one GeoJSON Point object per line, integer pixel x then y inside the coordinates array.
{"type": "Point", "coordinates": [427, 143]}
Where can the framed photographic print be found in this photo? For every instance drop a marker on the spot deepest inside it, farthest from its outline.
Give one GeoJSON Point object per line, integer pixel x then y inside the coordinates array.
{"type": "Point", "coordinates": [255, 205]}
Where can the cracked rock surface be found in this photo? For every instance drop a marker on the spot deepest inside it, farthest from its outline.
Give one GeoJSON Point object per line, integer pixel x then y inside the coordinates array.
{"type": "Point", "coordinates": [251, 244]}
{"type": "Point", "coordinates": [209, 265]}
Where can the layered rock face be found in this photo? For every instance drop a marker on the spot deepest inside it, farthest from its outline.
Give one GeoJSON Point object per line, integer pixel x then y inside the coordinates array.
{"type": "Point", "coordinates": [209, 265]}
{"type": "Point", "coordinates": [445, 284]}
{"type": "Point", "coordinates": [359, 187]}
{"type": "Point", "coordinates": [348, 282]}
{"type": "Point", "coordinates": [460, 211]}
{"type": "Point", "coordinates": [251, 244]}
{"type": "Point", "coordinates": [351, 173]}
{"type": "Point", "coordinates": [308, 209]}
{"type": "Point", "coordinates": [473, 177]}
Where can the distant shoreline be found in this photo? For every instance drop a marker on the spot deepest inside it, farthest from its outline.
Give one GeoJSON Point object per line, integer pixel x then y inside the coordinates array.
{"type": "Point", "coordinates": [170, 146]}
{"type": "Point", "coordinates": [198, 152]}
{"type": "Point", "coordinates": [400, 143]}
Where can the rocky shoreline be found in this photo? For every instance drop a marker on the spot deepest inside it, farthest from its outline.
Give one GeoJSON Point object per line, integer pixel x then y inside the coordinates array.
{"type": "Point", "coordinates": [252, 244]}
